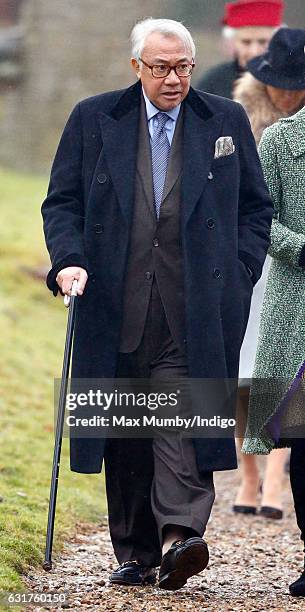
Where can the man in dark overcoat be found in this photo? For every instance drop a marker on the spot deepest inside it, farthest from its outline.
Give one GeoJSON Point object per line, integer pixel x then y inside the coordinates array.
{"type": "Point", "coordinates": [158, 207]}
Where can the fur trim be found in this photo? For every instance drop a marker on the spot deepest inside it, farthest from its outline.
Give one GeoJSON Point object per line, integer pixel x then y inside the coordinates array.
{"type": "Point", "coordinates": [252, 95]}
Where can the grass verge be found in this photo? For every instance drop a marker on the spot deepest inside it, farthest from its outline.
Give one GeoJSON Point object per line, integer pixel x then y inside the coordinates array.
{"type": "Point", "coordinates": [33, 326]}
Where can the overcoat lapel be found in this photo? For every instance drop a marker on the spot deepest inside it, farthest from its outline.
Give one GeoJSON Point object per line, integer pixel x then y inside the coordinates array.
{"type": "Point", "coordinates": [201, 130]}
{"type": "Point", "coordinates": [120, 142]}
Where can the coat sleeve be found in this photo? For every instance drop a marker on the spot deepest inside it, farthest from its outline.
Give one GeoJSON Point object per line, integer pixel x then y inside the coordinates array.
{"type": "Point", "coordinates": [218, 80]}
{"type": "Point", "coordinates": [63, 208]}
{"type": "Point", "coordinates": [286, 245]}
{"type": "Point", "coordinates": [207, 83]}
{"type": "Point", "coordinates": [255, 205]}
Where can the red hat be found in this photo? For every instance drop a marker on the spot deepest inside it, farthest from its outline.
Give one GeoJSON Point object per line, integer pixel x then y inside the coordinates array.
{"type": "Point", "coordinates": [245, 13]}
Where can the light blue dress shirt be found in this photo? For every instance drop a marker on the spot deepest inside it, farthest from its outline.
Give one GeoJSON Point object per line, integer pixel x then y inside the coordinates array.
{"type": "Point", "coordinates": [170, 125]}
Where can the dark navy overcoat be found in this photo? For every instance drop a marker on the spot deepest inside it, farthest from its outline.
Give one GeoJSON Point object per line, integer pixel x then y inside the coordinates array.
{"type": "Point", "coordinates": [225, 223]}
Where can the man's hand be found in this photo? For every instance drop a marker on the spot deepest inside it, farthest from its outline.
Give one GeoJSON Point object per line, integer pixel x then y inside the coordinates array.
{"type": "Point", "coordinates": [66, 277]}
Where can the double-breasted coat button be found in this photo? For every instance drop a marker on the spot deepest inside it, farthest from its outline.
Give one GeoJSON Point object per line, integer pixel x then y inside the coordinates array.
{"type": "Point", "coordinates": [155, 242]}
{"type": "Point", "coordinates": [210, 223]}
{"type": "Point", "coordinates": [148, 275]}
{"type": "Point", "coordinates": [216, 273]}
{"type": "Point", "coordinates": [98, 228]}
{"type": "Point", "coordinates": [102, 178]}
{"type": "Point", "coordinates": [210, 176]}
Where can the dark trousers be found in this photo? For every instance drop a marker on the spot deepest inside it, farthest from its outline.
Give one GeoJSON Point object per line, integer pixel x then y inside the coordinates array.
{"type": "Point", "coordinates": [152, 483]}
{"type": "Point", "coordinates": [297, 479]}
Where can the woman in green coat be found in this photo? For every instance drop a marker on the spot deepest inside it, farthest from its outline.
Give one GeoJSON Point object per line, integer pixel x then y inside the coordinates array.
{"type": "Point", "coordinates": [281, 344]}
{"type": "Point", "coordinates": [272, 88]}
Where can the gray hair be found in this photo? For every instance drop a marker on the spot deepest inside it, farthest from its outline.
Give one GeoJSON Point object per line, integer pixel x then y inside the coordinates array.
{"type": "Point", "coordinates": [167, 27]}
{"type": "Point", "coordinates": [229, 32]}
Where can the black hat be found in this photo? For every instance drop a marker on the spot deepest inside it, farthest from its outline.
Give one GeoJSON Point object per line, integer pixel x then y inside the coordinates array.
{"type": "Point", "coordinates": [283, 65]}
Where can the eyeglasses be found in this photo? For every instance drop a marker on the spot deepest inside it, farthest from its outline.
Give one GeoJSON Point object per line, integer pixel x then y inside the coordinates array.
{"type": "Point", "coordinates": [160, 71]}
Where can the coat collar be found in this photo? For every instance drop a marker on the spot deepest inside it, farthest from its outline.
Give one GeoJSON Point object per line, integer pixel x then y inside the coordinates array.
{"type": "Point", "coordinates": [131, 98]}
{"type": "Point", "coordinates": [120, 141]}
{"type": "Point", "coordinates": [293, 129]}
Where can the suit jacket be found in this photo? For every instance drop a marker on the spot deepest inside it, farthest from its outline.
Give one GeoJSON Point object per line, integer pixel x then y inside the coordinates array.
{"type": "Point", "coordinates": [226, 213]}
{"type": "Point", "coordinates": [155, 246]}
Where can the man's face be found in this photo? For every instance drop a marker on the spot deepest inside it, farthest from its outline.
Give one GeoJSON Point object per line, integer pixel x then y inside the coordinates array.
{"type": "Point", "coordinates": [286, 100]}
{"type": "Point", "coordinates": [167, 92]}
{"type": "Point", "coordinates": [250, 42]}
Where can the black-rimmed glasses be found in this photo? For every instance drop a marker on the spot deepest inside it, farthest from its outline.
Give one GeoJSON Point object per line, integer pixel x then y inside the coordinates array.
{"type": "Point", "coordinates": [160, 71]}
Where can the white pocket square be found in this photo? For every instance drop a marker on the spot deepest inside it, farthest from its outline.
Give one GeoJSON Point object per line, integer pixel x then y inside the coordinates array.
{"type": "Point", "coordinates": [224, 146]}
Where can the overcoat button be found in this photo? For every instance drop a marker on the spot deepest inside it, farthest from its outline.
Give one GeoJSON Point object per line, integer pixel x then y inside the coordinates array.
{"type": "Point", "coordinates": [210, 176]}
{"type": "Point", "coordinates": [216, 273]}
{"type": "Point", "coordinates": [102, 178]}
{"type": "Point", "coordinates": [98, 228]}
{"type": "Point", "coordinates": [155, 242]}
{"type": "Point", "coordinates": [148, 275]}
{"type": "Point", "coordinates": [210, 223]}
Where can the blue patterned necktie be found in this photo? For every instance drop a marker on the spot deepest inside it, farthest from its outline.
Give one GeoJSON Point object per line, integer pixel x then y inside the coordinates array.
{"type": "Point", "coordinates": [160, 149]}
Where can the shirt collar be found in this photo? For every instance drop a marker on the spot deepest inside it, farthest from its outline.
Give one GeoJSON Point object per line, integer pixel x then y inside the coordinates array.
{"type": "Point", "coordinates": [152, 110]}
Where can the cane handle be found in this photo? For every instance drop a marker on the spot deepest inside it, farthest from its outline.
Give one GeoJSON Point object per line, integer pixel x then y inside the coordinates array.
{"type": "Point", "coordinates": [73, 292]}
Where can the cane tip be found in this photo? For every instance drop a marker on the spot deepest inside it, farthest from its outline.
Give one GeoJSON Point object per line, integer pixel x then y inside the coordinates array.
{"type": "Point", "coordinates": [47, 566]}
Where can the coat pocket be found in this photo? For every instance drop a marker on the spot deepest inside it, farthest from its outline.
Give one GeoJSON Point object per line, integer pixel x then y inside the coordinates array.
{"type": "Point", "coordinates": [223, 160]}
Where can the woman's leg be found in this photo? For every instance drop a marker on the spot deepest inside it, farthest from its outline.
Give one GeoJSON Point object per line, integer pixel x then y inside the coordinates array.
{"type": "Point", "coordinates": [273, 480]}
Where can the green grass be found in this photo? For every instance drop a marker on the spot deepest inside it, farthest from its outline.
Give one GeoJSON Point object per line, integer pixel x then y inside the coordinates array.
{"type": "Point", "coordinates": [32, 326]}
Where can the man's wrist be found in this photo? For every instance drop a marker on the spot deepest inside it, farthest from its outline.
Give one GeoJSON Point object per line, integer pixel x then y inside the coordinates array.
{"type": "Point", "coordinates": [73, 259]}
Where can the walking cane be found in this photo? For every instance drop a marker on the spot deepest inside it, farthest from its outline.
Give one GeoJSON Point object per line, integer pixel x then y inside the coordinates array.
{"type": "Point", "coordinates": [69, 302]}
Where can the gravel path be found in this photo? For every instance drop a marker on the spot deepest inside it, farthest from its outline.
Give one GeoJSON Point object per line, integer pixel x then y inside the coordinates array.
{"type": "Point", "coordinates": [252, 561]}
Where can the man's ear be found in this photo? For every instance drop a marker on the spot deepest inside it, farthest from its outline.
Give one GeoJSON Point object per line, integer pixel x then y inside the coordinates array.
{"type": "Point", "coordinates": [136, 66]}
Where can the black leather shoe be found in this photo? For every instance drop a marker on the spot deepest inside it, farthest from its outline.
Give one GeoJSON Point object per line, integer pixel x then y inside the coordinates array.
{"type": "Point", "coordinates": [132, 573]}
{"type": "Point", "coordinates": [297, 588]}
{"type": "Point", "coordinates": [272, 513]}
{"type": "Point", "coordinates": [241, 509]}
{"type": "Point", "coordinates": [181, 561]}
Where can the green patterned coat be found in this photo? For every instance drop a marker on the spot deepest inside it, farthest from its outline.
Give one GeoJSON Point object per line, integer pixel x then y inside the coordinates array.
{"type": "Point", "coordinates": [281, 344]}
